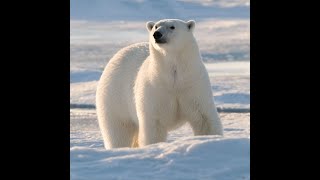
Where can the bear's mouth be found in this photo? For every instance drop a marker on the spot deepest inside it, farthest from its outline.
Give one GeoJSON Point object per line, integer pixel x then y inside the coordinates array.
{"type": "Point", "coordinates": [160, 41]}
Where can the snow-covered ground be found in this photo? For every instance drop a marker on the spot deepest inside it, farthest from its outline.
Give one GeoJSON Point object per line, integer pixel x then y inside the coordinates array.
{"type": "Point", "coordinates": [183, 156]}
{"type": "Point", "coordinates": [99, 28]}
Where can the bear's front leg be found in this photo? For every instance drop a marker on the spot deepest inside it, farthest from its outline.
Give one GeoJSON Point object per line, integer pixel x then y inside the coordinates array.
{"type": "Point", "coordinates": [198, 108]}
{"type": "Point", "coordinates": [151, 131]}
{"type": "Point", "coordinates": [206, 123]}
{"type": "Point", "coordinates": [151, 106]}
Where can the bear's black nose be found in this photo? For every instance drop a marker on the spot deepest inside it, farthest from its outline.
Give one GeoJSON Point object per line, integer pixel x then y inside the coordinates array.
{"type": "Point", "coordinates": [157, 35]}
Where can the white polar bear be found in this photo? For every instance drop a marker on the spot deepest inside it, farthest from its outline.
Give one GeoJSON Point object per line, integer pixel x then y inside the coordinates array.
{"type": "Point", "coordinates": [148, 89]}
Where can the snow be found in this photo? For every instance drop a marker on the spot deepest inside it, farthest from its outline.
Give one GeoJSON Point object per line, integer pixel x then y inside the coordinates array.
{"type": "Point", "coordinates": [132, 9]}
{"type": "Point", "coordinates": [178, 160]}
{"type": "Point", "coordinates": [98, 29]}
{"type": "Point", "coordinates": [183, 156]}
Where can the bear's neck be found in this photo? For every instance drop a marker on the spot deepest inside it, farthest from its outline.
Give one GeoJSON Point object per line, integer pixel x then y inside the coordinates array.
{"type": "Point", "coordinates": [177, 69]}
{"type": "Point", "coordinates": [188, 54]}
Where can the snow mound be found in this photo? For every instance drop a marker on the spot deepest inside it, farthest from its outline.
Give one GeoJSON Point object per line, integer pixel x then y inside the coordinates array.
{"type": "Point", "coordinates": [197, 157]}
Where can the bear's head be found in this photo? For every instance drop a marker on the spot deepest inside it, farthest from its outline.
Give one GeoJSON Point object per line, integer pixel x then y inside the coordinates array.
{"type": "Point", "coordinates": [170, 34]}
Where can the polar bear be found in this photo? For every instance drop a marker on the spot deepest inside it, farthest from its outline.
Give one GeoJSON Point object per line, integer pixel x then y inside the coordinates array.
{"type": "Point", "coordinates": [148, 89]}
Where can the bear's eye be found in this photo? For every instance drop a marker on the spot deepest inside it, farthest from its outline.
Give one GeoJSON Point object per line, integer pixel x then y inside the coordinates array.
{"type": "Point", "coordinates": [172, 27]}
{"type": "Point", "coordinates": [156, 27]}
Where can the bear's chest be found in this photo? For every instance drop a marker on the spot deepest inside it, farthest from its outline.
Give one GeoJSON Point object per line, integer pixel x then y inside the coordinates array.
{"type": "Point", "coordinates": [178, 78]}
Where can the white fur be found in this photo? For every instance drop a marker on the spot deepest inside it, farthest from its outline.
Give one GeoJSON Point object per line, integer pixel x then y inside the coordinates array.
{"type": "Point", "coordinates": [148, 89]}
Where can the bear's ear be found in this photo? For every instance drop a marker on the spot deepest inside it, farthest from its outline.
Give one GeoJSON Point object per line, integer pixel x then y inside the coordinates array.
{"type": "Point", "coordinates": [191, 24]}
{"type": "Point", "coordinates": [149, 25]}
